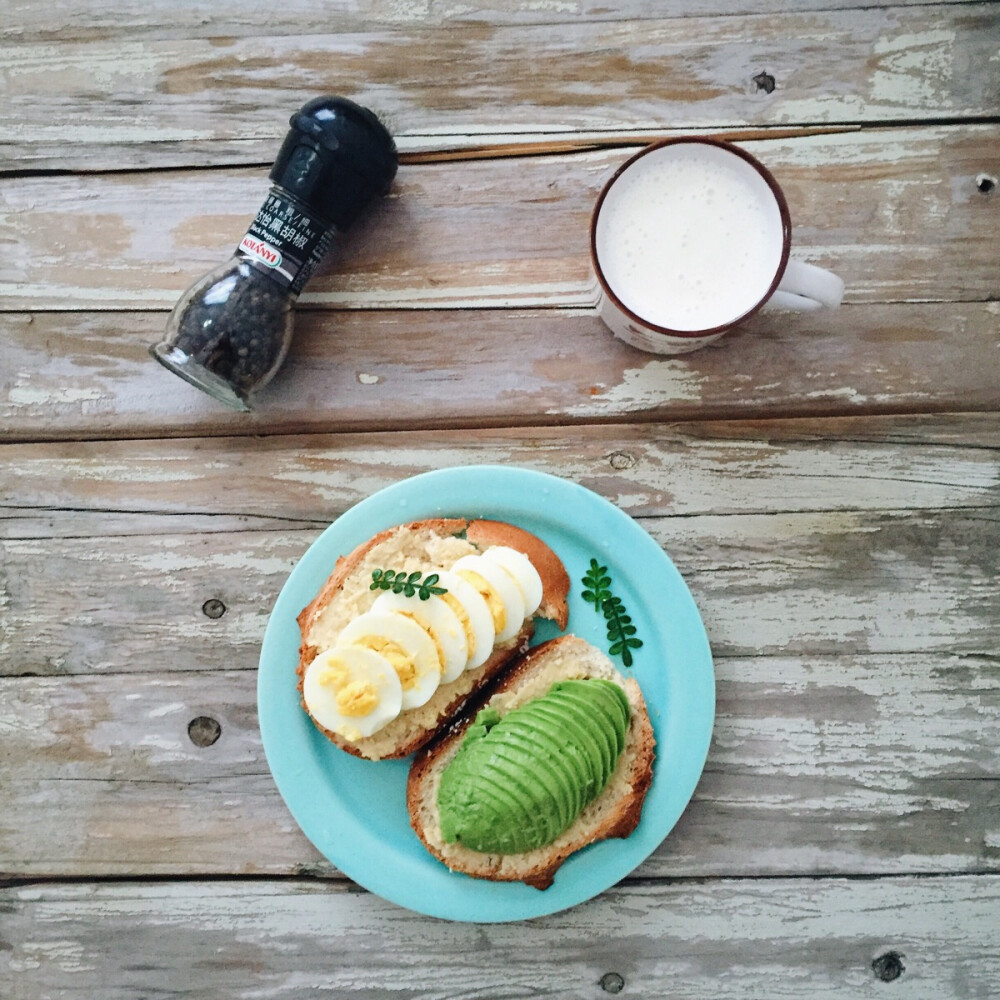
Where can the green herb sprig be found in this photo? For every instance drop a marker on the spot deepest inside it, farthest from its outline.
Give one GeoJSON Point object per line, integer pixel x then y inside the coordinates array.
{"type": "Point", "coordinates": [597, 584]}
{"type": "Point", "coordinates": [621, 631]}
{"type": "Point", "coordinates": [412, 586]}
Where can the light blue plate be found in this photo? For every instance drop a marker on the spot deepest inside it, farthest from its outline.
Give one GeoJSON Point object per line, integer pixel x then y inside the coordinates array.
{"type": "Point", "coordinates": [354, 811]}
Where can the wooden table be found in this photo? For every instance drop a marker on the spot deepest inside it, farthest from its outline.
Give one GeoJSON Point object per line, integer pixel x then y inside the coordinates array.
{"type": "Point", "coordinates": [826, 484]}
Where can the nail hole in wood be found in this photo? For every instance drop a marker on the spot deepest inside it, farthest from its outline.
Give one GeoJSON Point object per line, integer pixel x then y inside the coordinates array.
{"type": "Point", "coordinates": [985, 184]}
{"type": "Point", "coordinates": [621, 460]}
{"type": "Point", "coordinates": [764, 81]}
{"type": "Point", "coordinates": [214, 608]}
{"type": "Point", "coordinates": [204, 731]}
{"type": "Point", "coordinates": [889, 966]}
{"type": "Point", "coordinates": [611, 982]}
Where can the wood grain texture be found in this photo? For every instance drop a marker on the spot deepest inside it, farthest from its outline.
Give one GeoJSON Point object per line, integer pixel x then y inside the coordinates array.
{"type": "Point", "coordinates": [820, 764]}
{"type": "Point", "coordinates": [235, 484]}
{"type": "Point", "coordinates": [91, 156]}
{"type": "Point", "coordinates": [839, 530]}
{"type": "Point", "coordinates": [854, 632]}
{"type": "Point", "coordinates": [717, 941]}
{"type": "Point", "coordinates": [186, 19]}
{"type": "Point", "coordinates": [82, 375]}
{"type": "Point", "coordinates": [871, 65]}
{"type": "Point", "coordinates": [900, 555]}
{"type": "Point", "coordinates": [765, 583]}
{"type": "Point", "coordinates": [895, 212]}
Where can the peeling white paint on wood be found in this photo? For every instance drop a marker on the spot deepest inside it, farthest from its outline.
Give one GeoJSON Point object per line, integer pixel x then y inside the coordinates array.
{"type": "Point", "coordinates": [21, 395]}
{"type": "Point", "coordinates": [776, 935]}
{"type": "Point", "coordinates": [766, 583]}
{"type": "Point", "coordinates": [656, 383]}
{"type": "Point", "coordinates": [857, 464]}
{"type": "Point", "coordinates": [878, 764]}
{"type": "Point", "coordinates": [504, 367]}
{"type": "Point", "coordinates": [846, 568]}
{"type": "Point", "coordinates": [914, 68]}
{"type": "Point", "coordinates": [859, 65]}
{"type": "Point", "coordinates": [431, 243]}
{"type": "Point", "coordinates": [154, 19]}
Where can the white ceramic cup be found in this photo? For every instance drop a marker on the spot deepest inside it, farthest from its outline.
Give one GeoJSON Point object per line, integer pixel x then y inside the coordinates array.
{"type": "Point", "coordinates": [691, 236]}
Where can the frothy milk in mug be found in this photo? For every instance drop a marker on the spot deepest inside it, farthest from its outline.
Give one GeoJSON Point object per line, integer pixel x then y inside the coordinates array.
{"type": "Point", "coordinates": [690, 237]}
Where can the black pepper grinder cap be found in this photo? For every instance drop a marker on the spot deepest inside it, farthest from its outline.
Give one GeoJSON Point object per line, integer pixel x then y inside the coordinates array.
{"type": "Point", "coordinates": [335, 159]}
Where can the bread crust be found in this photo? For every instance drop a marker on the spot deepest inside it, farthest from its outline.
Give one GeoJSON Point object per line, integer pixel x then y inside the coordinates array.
{"type": "Point", "coordinates": [618, 818]}
{"type": "Point", "coordinates": [482, 534]}
{"type": "Point", "coordinates": [555, 579]}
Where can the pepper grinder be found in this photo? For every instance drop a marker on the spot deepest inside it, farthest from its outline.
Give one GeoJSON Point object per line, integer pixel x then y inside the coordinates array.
{"type": "Point", "coordinates": [230, 331]}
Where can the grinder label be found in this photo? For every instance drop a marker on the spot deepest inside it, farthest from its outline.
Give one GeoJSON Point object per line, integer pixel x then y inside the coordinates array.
{"type": "Point", "coordinates": [285, 241]}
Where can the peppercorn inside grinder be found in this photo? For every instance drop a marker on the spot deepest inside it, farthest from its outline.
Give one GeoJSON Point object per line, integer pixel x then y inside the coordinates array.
{"type": "Point", "coordinates": [230, 331]}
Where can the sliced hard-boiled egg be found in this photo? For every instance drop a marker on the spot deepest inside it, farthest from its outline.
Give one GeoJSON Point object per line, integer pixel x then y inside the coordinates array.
{"type": "Point", "coordinates": [523, 571]}
{"type": "Point", "coordinates": [474, 614]}
{"type": "Point", "coordinates": [435, 617]}
{"type": "Point", "coordinates": [352, 691]}
{"type": "Point", "coordinates": [405, 644]}
{"type": "Point", "coordinates": [497, 586]}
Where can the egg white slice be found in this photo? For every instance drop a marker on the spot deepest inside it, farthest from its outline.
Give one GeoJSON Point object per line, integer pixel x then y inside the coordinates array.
{"type": "Point", "coordinates": [439, 621]}
{"type": "Point", "coordinates": [523, 571]}
{"type": "Point", "coordinates": [352, 691]}
{"type": "Point", "coordinates": [474, 613]}
{"type": "Point", "coordinates": [504, 590]}
{"type": "Point", "coordinates": [407, 646]}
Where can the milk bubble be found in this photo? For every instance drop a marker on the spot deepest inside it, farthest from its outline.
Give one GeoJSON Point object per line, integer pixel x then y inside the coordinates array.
{"type": "Point", "coordinates": [704, 232]}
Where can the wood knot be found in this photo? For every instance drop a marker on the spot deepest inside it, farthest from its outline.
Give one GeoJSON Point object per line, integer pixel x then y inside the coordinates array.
{"type": "Point", "coordinates": [213, 608]}
{"type": "Point", "coordinates": [889, 966]}
{"type": "Point", "coordinates": [985, 184]}
{"type": "Point", "coordinates": [621, 460]}
{"type": "Point", "coordinates": [611, 982]}
{"type": "Point", "coordinates": [764, 81]}
{"type": "Point", "coordinates": [204, 731]}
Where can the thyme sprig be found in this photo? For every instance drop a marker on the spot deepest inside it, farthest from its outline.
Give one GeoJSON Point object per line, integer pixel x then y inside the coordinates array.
{"type": "Point", "coordinates": [411, 585]}
{"type": "Point", "coordinates": [621, 631]}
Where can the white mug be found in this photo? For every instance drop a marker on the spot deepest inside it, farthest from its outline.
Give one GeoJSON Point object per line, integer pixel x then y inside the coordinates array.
{"type": "Point", "coordinates": [691, 236]}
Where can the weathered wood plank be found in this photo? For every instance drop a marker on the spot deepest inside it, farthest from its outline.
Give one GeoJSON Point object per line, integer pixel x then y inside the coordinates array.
{"type": "Point", "coordinates": [159, 19]}
{"type": "Point", "coordinates": [718, 941]}
{"type": "Point", "coordinates": [778, 559]}
{"type": "Point", "coordinates": [869, 65]}
{"type": "Point", "coordinates": [86, 375]}
{"type": "Point", "coordinates": [35, 521]}
{"type": "Point", "coordinates": [824, 764]}
{"type": "Point", "coordinates": [849, 582]}
{"type": "Point", "coordinates": [89, 157]}
{"type": "Point", "coordinates": [67, 489]}
{"type": "Point", "coordinates": [896, 212]}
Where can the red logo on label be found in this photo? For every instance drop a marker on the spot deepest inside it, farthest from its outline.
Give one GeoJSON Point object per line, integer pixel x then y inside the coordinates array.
{"type": "Point", "coordinates": [262, 251]}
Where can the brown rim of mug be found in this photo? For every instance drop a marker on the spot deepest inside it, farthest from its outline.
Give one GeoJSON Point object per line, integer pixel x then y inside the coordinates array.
{"type": "Point", "coordinates": [786, 235]}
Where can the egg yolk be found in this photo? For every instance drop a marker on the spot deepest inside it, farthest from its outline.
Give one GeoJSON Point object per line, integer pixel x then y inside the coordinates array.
{"type": "Point", "coordinates": [353, 697]}
{"type": "Point", "coordinates": [356, 698]}
{"type": "Point", "coordinates": [403, 664]}
{"type": "Point", "coordinates": [496, 606]}
{"type": "Point", "coordinates": [462, 615]}
{"type": "Point", "coordinates": [334, 675]}
{"type": "Point", "coordinates": [437, 645]}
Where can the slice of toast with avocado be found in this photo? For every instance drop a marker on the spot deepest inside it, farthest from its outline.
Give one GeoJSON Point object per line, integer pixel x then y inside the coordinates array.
{"type": "Point", "coordinates": [559, 756]}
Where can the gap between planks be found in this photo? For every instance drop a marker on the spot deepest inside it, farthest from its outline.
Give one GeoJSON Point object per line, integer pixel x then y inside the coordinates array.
{"type": "Point", "coordinates": [681, 415]}
{"type": "Point", "coordinates": [334, 875]}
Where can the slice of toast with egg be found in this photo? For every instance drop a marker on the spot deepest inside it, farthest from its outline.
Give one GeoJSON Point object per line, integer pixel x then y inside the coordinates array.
{"type": "Point", "coordinates": [558, 757]}
{"type": "Point", "coordinates": [414, 621]}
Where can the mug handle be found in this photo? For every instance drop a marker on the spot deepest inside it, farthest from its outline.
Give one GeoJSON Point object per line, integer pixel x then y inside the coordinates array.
{"type": "Point", "coordinates": [805, 287]}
